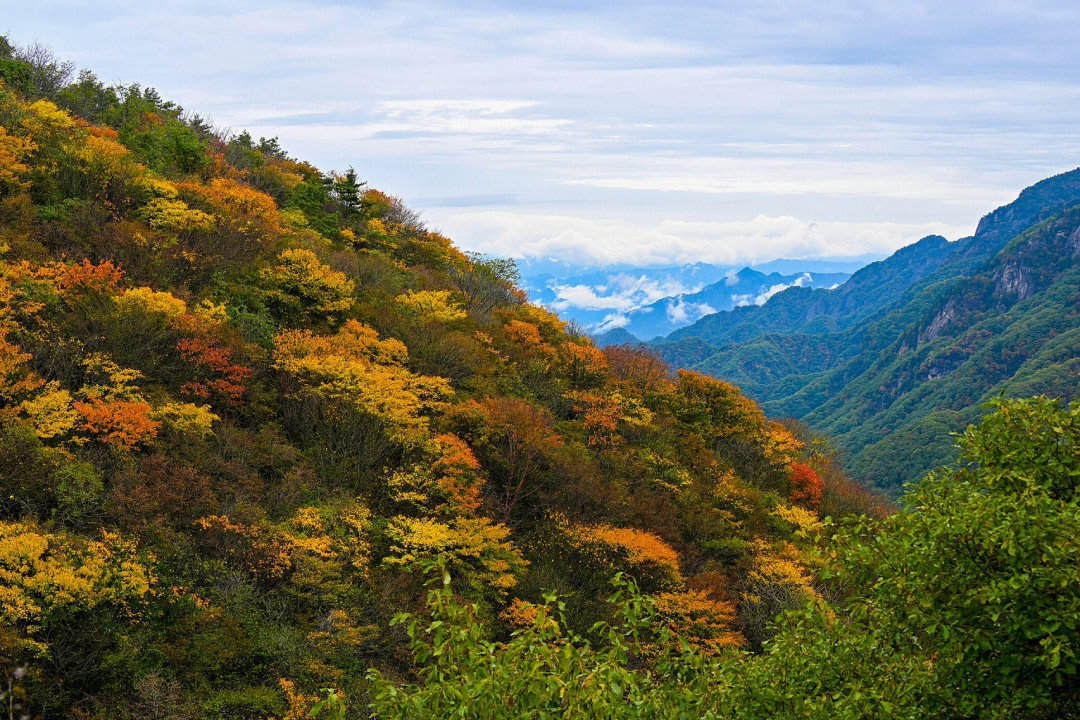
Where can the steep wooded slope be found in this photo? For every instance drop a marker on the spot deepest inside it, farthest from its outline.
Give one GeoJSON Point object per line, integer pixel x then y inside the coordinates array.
{"type": "Point", "coordinates": [992, 313]}
{"type": "Point", "coordinates": [245, 405]}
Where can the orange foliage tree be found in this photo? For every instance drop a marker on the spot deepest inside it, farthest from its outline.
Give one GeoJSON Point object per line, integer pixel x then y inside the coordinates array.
{"type": "Point", "coordinates": [236, 197]}
{"type": "Point", "coordinates": [123, 423]}
{"type": "Point", "coordinates": [600, 549]}
{"type": "Point", "coordinates": [637, 368]}
{"type": "Point", "coordinates": [456, 472]}
{"type": "Point", "coordinates": [585, 365]}
{"type": "Point", "coordinates": [600, 416]}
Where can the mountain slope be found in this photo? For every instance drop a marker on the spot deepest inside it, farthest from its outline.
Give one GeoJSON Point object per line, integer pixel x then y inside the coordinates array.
{"type": "Point", "coordinates": [994, 312]}
{"type": "Point", "coordinates": [247, 407]}
{"type": "Point", "coordinates": [1011, 327]}
{"type": "Point", "coordinates": [801, 309]}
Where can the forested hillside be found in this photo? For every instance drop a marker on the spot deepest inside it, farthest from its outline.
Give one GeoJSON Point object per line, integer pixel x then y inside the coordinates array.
{"type": "Point", "coordinates": [245, 402]}
{"type": "Point", "coordinates": [270, 448]}
{"type": "Point", "coordinates": [944, 328]}
{"type": "Point", "coordinates": [816, 310]}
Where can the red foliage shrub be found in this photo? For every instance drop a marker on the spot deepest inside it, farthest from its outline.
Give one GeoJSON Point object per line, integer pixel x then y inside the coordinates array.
{"type": "Point", "coordinates": [806, 486]}
{"type": "Point", "coordinates": [217, 374]}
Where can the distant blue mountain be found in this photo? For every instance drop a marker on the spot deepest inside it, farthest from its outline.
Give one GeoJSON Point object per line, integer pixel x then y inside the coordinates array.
{"type": "Point", "coordinates": [616, 336]}
{"type": "Point", "coordinates": [653, 301]}
{"type": "Point", "coordinates": [737, 289]}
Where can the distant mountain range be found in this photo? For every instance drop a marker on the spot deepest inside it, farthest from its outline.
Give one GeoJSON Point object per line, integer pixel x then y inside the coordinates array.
{"type": "Point", "coordinates": [908, 348]}
{"type": "Point", "coordinates": [648, 302]}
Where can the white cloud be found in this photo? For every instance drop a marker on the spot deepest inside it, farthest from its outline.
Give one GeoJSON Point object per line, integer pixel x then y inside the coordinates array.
{"type": "Point", "coordinates": [720, 132]}
{"type": "Point", "coordinates": [458, 117]}
{"type": "Point", "coordinates": [785, 176]}
{"type": "Point", "coordinates": [622, 292]}
{"type": "Point", "coordinates": [681, 312]}
{"type": "Point", "coordinates": [763, 297]}
{"type": "Point", "coordinates": [610, 322]}
{"type": "Point", "coordinates": [599, 242]}
{"type": "Point", "coordinates": [583, 297]}
{"type": "Point", "coordinates": [802, 281]}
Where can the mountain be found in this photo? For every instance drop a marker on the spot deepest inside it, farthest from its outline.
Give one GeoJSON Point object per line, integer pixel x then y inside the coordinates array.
{"type": "Point", "coordinates": [615, 336]}
{"type": "Point", "coordinates": [745, 288]}
{"type": "Point", "coordinates": [1035, 204]}
{"type": "Point", "coordinates": [250, 410]}
{"type": "Point", "coordinates": [909, 348]}
{"type": "Point", "coordinates": [599, 299]}
{"type": "Point", "coordinates": [804, 309]}
{"type": "Point", "coordinates": [652, 301]}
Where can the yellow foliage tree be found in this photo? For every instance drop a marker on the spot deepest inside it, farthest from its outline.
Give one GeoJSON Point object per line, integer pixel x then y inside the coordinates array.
{"type": "Point", "coordinates": [152, 301]}
{"type": "Point", "coordinates": [778, 571]}
{"type": "Point", "coordinates": [781, 445]}
{"type": "Point", "coordinates": [16, 379]}
{"type": "Point", "coordinates": [51, 411]}
{"type": "Point", "coordinates": [42, 572]}
{"type": "Point", "coordinates": [434, 306]}
{"type": "Point", "coordinates": [165, 214]}
{"type": "Point", "coordinates": [354, 368]}
{"type": "Point", "coordinates": [329, 548]}
{"type": "Point", "coordinates": [299, 283]}
{"type": "Point", "coordinates": [186, 417]}
{"type": "Point", "coordinates": [477, 547]}
{"type": "Point", "coordinates": [719, 407]}
{"type": "Point", "coordinates": [13, 150]}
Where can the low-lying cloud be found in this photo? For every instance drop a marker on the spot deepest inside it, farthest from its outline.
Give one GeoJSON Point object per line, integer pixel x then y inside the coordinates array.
{"type": "Point", "coordinates": [761, 298]}
{"type": "Point", "coordinates": [622, 292]}
{"type": "Point", "coordinates": [681, 312]}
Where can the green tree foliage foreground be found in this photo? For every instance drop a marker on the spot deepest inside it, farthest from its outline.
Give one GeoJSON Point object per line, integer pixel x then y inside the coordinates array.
{"type": "Point", "coordinates": [964, 605]}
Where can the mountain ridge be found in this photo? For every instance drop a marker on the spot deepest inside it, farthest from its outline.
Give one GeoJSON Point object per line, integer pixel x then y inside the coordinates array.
{"type": "Point", "coordinates": [856, 376]}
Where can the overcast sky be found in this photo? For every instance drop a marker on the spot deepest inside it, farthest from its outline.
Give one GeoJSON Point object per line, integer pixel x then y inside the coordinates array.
{"type": "Point", "coordinates": [648, 133]}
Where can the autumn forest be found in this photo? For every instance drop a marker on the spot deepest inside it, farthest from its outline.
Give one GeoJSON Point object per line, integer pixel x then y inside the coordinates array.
{"type": "Point", "coordinates": [272, 448]}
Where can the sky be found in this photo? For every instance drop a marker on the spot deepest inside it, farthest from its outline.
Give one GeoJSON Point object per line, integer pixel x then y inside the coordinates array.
{"type": "Point", "coordinates": [639, 133]}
